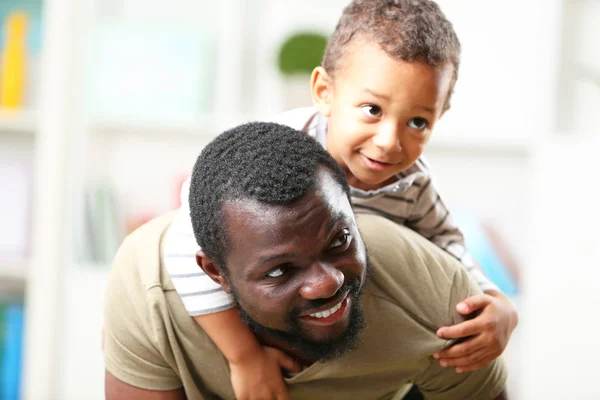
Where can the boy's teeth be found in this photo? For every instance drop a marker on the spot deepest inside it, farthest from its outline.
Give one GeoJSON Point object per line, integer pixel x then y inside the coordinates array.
{"type": "Point", "coordinates": [327, 313]}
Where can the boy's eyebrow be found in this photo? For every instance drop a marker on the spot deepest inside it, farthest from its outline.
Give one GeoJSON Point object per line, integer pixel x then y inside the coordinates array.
{"type": "Point", "coordinates": [374, 93]}
{"type": "Point", "coordinates": [385, 97]}
{"type": "Point", "coordinates": [428, 109]}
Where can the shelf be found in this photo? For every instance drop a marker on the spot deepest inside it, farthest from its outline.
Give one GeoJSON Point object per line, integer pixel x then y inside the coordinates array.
{"type": "Point", "coordinates": [13, 270]}
{"type": "Point", "coordinates": [208, 126]}
{"type": "Point", "coordinates": [18, 121]}
{"type": "Point", "coordinates": [13, 277]}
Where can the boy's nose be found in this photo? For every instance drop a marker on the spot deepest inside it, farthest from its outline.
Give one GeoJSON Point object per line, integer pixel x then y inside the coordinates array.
{"type": "Point", "coordinates": [388, 139]}
{"type": "Point", "coordinates": [322, 283]}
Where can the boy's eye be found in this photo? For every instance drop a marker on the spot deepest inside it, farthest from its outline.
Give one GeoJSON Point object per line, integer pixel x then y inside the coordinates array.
{"type": "Point", "coordinates": [371, 111]}
{"type": "Point", "coordinates": [342, 240]}
{"type": "Point", "coordinates": [418, 123]}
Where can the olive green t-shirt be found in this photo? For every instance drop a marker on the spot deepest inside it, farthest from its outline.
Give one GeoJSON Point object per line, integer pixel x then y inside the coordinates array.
{"type": "Point", "coordinates": [152, 343]}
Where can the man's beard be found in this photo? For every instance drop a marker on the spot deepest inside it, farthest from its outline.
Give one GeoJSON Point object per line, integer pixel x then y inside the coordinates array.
{"type": "Point", "coordinates": [298, 338]}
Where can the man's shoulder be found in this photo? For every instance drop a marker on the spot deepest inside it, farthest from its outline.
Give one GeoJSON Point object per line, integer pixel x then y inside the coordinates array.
{"type": "Point", "coordinates": [153, 229]}
{"type": "Point", "coordinates": [137, 264]}
{"type": "Point", "coordinates": [407, 270]}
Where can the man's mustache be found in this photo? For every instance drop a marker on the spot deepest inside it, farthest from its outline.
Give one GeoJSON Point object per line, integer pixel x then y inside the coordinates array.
{"type": "Point", "coordinates": [352, 286]}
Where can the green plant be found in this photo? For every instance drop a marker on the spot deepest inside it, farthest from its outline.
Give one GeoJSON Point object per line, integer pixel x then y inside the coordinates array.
{"type": "Point", "coordinates": [301, 53]}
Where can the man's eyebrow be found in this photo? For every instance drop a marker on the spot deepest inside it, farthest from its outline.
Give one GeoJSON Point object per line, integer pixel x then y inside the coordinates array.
{"type": "Point", "coordinates": [271, 257]}
{"type": "Point", "coordinates": [341, 216]}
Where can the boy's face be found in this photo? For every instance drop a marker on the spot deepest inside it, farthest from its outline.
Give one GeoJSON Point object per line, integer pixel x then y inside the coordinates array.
{"type": "Point", "coordinates": [381, 112]}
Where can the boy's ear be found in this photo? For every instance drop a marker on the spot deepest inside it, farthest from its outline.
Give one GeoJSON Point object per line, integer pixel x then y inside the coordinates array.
{"type": "Point", "coordinates": [446, 108]}
{"type": "Point", "coordinates": [321, 90]}
{"type": "Point", "coordinates": [211, 269]}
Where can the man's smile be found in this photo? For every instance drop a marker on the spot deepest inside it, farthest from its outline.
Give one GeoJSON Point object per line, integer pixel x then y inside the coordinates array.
{"type": "Point", "coordinates": [331, 315]}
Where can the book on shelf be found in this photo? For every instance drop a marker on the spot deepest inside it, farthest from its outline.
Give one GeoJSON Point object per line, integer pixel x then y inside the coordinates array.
{"type": "Point", "coordinates": [101, 231]}
{"type": "Point", "coordinates": [16, 180]}
{"type": "Point", "coordinates": [11, 349]}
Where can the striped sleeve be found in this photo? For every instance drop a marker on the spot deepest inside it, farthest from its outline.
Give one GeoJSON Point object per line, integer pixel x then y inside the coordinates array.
{"type": "Point", "coordinates": [431, 219]}
{"type": "Point", "coordinates": [199, 293]}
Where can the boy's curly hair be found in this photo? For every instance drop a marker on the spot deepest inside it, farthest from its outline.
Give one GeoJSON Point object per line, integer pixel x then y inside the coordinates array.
{"type": "Point", "coordinates": [408, 30]}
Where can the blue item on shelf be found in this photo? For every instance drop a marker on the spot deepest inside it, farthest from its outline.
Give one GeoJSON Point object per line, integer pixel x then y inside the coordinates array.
{"type": "Point", "coordinates": [10, 364]}
{"type": "Point", "coordinates": [482, 250]}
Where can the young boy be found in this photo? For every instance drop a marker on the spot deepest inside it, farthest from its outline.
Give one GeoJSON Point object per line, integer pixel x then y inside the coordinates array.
{"type": "Point", "coordinates": [387, 77]}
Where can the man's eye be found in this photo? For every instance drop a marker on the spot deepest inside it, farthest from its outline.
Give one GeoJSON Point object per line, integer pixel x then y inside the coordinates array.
{"type": "Point", "coordinates": [277, 272]}
{"type": "Point", "coordinates": [418, 123]}
{"type": "Point", "coordinates": [341, 240]}
{"type": "Point", "coordinates": [371, 110]}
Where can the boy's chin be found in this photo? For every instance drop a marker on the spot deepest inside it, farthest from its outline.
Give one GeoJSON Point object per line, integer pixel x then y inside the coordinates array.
{"type": "Point", "coordinates": [371, 181]}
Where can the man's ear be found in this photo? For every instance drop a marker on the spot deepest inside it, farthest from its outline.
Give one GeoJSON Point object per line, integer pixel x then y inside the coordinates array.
{"type": "Point", "coordinates": [321, 89]}
{"type": "Point", "coordinates": [211, 269]}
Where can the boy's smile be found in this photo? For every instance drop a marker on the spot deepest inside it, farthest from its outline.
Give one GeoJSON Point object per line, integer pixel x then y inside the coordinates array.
{"type": "Point", "coordinates": [381, 111]}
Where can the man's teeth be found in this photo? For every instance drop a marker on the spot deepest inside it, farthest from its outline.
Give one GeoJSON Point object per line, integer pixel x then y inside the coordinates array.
{"type": "Point", "coordinates": [327, 313]}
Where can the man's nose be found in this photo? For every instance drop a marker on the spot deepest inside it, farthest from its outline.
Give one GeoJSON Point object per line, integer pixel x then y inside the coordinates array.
{"type": "Point", "coordinates": [324, 282]}
{"type": "Point", "coordinates": [388, 138]}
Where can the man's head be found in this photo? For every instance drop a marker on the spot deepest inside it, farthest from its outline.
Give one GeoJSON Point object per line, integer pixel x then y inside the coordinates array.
{"type": "Point", "coordinates": [387, 76]}
{"type": "Point", "coordinates": [270, 209]}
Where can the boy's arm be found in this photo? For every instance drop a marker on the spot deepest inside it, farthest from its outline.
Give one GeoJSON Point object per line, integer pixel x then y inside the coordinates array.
{"type": "Point", "coordinates": [494, 315]}
{"type": "Point", "coordinates": [230, 334]}
{"type": "Point", "coordinates": [431, 219]}
{"type": "Point", "coordinates": [255, 370]}
{"type": "Point", "coordinates": [439, 383]}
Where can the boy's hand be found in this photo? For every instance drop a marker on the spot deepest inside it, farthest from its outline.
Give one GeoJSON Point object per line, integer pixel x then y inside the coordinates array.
{"type": "Point", "coordinates": [485, 336]}
{"type": "Point", "coordinates": [259, 376]}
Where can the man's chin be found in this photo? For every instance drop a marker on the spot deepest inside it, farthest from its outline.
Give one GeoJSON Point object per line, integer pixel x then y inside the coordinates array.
{"type": "Point", "coordinates": [328, 344]}
{"type": "Point", "coordinates": [331, 345]}
{"type": "Point", "coordinates": [327, 329]}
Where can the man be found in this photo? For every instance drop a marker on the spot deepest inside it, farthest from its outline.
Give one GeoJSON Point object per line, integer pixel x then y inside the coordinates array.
{"type": "Point", "coordinates": [271, 210]}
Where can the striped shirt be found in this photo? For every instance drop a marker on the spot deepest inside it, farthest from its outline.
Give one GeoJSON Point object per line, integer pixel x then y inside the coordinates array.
{"type": "Point", "coordinates": [411, 200]}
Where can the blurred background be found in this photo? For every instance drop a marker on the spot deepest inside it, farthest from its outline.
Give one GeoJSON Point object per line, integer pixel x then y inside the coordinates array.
{"type": "Point", "coordinates": [105, 104]}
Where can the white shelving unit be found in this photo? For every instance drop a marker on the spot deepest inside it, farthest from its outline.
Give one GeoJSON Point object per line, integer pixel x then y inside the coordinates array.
{"type": "Point", "coordinates": [13, 277]}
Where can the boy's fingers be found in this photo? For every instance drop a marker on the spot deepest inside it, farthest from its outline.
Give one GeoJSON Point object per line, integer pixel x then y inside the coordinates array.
{"type": "Point", "coordinates": [461, 349]}
{"type": "Point", "coordinates": [289, 364]}
{"type": "Point", "coordinates": [283, 360]}
{"type": "Point", "coordinates": [476, 366]}
{"type": "Point", "coordinates": [467, 361]}
{"type": "Point", "coordinates": [283, 395]}
{"type": "Point", "coordinates": [461, 330]}
{"type": "Point", "coordinates": [473, 303]}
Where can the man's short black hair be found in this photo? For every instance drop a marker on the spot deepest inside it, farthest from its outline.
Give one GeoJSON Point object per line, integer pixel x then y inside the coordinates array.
{"type": "Point", "coordinates": [266, 162]}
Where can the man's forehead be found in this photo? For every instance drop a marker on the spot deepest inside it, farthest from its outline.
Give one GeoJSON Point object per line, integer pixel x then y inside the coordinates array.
{"type": "Point", "coordinates": [332, 194]}
{"type": "Point", "coordinates": [326, 189]}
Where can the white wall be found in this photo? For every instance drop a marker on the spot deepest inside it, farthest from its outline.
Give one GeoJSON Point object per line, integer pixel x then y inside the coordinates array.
{"type": "Point", "coordinates": [559, 321]}
{"type": "Point", "coordinates": [492, 185]}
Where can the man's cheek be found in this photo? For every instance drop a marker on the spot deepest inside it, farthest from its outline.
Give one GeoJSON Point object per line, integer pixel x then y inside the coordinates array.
{"type": "Point", "coordinates": [269, 314]}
